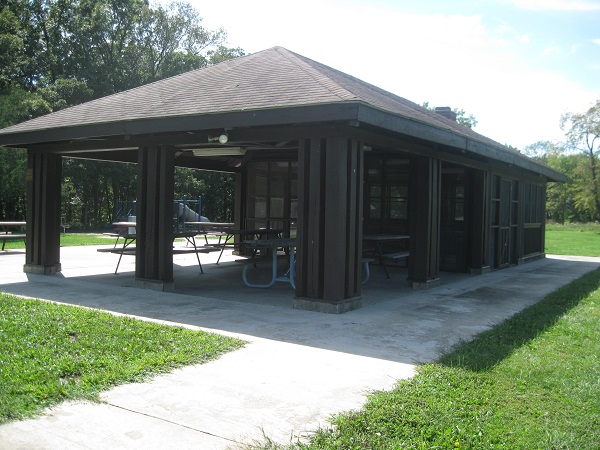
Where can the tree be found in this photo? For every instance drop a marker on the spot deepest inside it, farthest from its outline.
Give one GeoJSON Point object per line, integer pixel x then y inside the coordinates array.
{"type": "Point", "coordinates": [583, 135]}
{"type": "Point", "coordinates": [564, 201]}
{"type": "Point", "coordinates": [12, 188]}
{"type": "Point", "coordinates": [11, 46]}
{"type": "Point", "coordinates": [59, 53]}
{"type": "Point", "coordinates": [215, 188]}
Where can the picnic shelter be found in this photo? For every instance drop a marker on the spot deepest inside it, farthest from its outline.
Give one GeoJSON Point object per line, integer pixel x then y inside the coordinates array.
{"type": "Point", "coordinates": [324, 156]}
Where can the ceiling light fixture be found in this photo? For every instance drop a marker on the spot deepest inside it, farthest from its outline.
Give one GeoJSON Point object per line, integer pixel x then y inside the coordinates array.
{"type": "Point", "coordinates": [219, 151]}
{"type": "Point", "coordinates": [222, 139]}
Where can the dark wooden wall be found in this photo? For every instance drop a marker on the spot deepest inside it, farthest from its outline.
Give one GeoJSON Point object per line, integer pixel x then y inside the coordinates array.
{"type": "Point", "coordinates": [424, 207]}
{"type": "Point", "coordinates": [330, 172]}
{"type": "Point", "coordinates": [154, 253]}
{"type": "Point", "coordinates": [479, 199]}
{"type": "Point", "coordinates": [43, 177]}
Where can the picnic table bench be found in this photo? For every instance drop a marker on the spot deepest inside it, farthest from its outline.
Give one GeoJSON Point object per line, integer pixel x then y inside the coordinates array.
{"type": "Point", "coordinates": [129, 250]}
{"type": "Point", "coordinates": [6, 235]}
{"type": "Point", "coordinates": [379, 240]}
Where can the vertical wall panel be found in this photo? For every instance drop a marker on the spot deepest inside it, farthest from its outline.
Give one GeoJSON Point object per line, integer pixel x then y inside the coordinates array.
{"type": "Point", "coordinates": [329, 220]}
{"type": "Point", "coordinates": [425, 184]}
{"type": "Point", "coordinates": [479, 220]}
{"type": "Point", "coordinates": [154, 244]}
{"type": "Point", "coordinates": [354, 220]}
{"type": "Point", "coordinates": [336, 219]}
{"type": "Point", "coordinates": [43, 177]}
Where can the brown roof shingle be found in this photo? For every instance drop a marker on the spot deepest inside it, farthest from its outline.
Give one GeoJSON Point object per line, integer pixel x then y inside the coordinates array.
{"type": "Point", "coordinates": [271, 79]}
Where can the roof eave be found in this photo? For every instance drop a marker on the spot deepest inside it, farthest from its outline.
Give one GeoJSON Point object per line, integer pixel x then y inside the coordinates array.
{"type": "Point", "coordinates": [342, 111]}
{"type": "Point", "coordinates": [420, 130]}
{"type": "Point", "coordinates": [339, 111]}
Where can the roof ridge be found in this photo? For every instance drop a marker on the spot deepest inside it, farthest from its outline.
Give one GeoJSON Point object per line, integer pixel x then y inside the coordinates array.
{"type": "Point", "coordinates": [307, 65]}
{"type": "Point", "coordinates": [312, 65]}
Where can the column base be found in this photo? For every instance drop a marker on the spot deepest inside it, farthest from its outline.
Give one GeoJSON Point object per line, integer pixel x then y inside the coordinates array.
{"type": "Point", "coordinates": [480, 270]}
{"type": "Point", "coordinates": [530, 258]}
{"type": "Point", "coordinates": [425, 284]}
{"type": "Point", "coordinates": [154, 285]}
{"type": "Point", "coordinates": [42, 270]}
{"type": "Point", "coordinates": [318, 305]}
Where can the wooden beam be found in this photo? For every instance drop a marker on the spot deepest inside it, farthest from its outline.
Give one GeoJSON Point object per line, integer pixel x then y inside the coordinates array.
{"type": "Point", "coordinates": [473, 147]}
{"type": "Point", "coordinates": [154, 217]}
{"type": "Point", "coordinates": [424, 204]}
{"type": "Point", "coordinates": [238, 119]}
{"type": "Point", "coordinates": [478, 185]}
{"type": "Point", "coordinates": [329, 224]}
{"type": "Point", "coordinates": [43, 178]}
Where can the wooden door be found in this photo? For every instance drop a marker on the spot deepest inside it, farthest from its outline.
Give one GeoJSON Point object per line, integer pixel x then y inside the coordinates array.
{"type": "Point", "coordinates": [453, 222]}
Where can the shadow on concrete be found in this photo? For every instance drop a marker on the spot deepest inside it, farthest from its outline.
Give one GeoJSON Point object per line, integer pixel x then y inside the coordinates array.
{"type": "Point", "coordinates": [491, 347]}
{"type": "Point", "coordinates": [396, 322]}
{"type": "Point", "coordinates": [12, 252]}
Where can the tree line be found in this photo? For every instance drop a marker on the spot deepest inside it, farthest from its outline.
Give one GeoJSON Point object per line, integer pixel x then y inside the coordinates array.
{"type": "Point", "coordinates": [59, 53]}
{"type": "Point", "coordinates": [577, 200]}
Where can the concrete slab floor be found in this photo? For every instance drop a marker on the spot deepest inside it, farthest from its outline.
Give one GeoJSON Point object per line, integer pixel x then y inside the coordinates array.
{"type": "Point", "coordinates": [298, 368]}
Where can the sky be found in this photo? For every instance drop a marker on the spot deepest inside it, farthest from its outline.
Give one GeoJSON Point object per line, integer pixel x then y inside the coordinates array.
{"type": "Point", "coordinates": [515, 65]}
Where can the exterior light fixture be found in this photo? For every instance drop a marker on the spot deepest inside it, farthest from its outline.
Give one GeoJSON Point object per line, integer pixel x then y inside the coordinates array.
{"type": "Point", "coordinates": [222, 139]}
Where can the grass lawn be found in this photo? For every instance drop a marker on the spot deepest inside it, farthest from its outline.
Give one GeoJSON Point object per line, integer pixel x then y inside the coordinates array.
{"type": "Point", "coordinates": [71, 239]}
{"type": "Point", "coordinates": [573, 239]}
{"type": "Point", "coordinates": [50, 353]}
{"type": "Point", "coordinates": [530, 383]}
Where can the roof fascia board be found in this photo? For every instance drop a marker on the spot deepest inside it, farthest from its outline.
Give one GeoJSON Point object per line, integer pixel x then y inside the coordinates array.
{"type": "Point", "coordinates": [426, 132]}
{"type": "Point", "coordinates": [251, 118]}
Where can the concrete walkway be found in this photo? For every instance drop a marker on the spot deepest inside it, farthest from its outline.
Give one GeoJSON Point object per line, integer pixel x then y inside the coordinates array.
{"type": "Point", "coordinates": [299, 367]}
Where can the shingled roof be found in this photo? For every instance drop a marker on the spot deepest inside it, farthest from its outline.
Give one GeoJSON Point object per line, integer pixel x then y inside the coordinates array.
{"type": "Point", "coordinates": [273, 79]}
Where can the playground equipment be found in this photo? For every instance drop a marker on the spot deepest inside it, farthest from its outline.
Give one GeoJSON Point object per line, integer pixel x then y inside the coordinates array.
{"type": "Point", "coordinates": [184, 211]}
{"type": "Point", "coordinates": [187, 214]}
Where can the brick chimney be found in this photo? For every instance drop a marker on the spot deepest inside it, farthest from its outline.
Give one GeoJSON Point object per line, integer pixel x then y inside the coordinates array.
{"type": "Point", "coordinates": [446, 112]}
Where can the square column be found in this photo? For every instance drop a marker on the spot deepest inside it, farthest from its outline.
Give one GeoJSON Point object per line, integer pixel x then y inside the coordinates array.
{"type": "Point", "coordinates": [425, 185]}
{"type": "Point", "coordinates": [479, 217]}
{"type": "Point", "coordinates": [43, 177]}
{"type": "Point", "coordinates": [330, 176]}
{"type": "Point", "coordinates": [154, 218]}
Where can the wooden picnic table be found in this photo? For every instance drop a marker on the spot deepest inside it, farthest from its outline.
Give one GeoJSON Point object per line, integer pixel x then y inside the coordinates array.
{"type": "Point", "coordinates": [225, 232]}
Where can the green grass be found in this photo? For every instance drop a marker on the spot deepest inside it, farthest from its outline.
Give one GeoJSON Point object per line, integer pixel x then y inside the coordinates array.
{"type": "Point", "coordinates": [50, 353]}
{"type": "Point", "coordinates": [78, 239]}
{"type": "Point", "coordinates": [573, 239]}
{"type": "Point", "coordinates": [71, 239]}
{"type": "Point", "coordinates": [530, 383]}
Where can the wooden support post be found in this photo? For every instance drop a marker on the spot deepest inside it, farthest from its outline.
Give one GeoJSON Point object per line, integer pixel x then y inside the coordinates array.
{"type": "Point", "coordinates": [330, 173]}
{"type": "Point", "coordinates": [478, 210]}
{"type": "Point", "coordinates": [43, 177]}
{"type": "Point", "coordinates": [154, 217]}
{"type": "Point", "coordinates": [425, 184]}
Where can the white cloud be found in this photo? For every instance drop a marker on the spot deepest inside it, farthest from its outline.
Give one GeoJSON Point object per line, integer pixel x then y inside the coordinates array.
{"type": "Point", "coordinates": [560, 5]}
{"type": "Point", "coordinates": [524, 39]}
{"type": "Point", "coordinates": [596, 41]}
{"type": "Point", "coordinates": [551, 50]}
{"type": "Point", "coordinates": [449, 60]}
